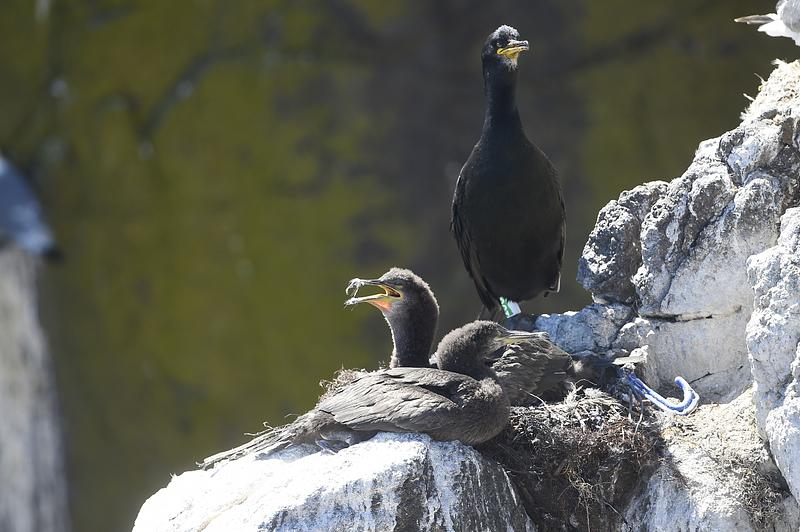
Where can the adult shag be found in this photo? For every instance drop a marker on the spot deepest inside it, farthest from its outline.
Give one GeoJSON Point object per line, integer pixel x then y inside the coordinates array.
{"type": "Point", "coordinates": [784, 23]}
{"type": "Point", "coordinates": [532, 369]}
{"type": "Point", "coordinates": [508, 213]}
{"type": "Point", "coordinates": [460, 400]}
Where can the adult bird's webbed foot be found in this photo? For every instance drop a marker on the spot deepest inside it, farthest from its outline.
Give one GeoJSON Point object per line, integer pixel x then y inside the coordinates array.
{"type": "Point", "coordinates": [687, 404]}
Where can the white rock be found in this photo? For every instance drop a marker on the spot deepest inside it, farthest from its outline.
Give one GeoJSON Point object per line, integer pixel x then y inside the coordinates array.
{"type": "Point", "coordinates": [692, 296]}
{"type": "Point", "coordinates": [682, 347]}
{"type": "Point", "coordinates": [391, 482]}
{"type": "Point", "coordinates": [704, 240]}
{"type": "Point", "coordinates": [783, 430]}
{"type": "Point", "coordinates": [717, 476]}
{"type": "Point", "coordinates": [613, 252]}
{"type": "Point", "coordinates": [591, 329]}
{"type": "Point", "coordinates": [773, 340]}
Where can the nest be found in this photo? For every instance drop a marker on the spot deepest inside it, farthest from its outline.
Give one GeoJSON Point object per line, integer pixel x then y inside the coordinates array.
{"type": "Point", "coordinates": [574, 462]}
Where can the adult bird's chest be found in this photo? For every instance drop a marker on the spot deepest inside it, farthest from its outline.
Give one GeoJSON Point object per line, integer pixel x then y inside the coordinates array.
{"type": "Point", "coordinates": [505, 182]}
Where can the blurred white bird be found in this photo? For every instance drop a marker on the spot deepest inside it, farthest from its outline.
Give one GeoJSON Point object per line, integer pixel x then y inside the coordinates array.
{"type": "Point", "coordinates": [21, 219]}
{"type": "Point", "coordinates": [784, 23]}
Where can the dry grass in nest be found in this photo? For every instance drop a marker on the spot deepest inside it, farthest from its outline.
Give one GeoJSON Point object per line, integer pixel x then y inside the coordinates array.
{"type": "Point", "coordinates": [573, 462]}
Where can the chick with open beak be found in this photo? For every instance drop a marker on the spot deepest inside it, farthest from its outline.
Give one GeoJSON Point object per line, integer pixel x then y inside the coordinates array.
{"type": "Point", "coordinates": [409, 307]}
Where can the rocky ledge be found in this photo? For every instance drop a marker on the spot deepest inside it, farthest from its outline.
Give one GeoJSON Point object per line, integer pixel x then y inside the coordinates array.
{"type": "Point", "coordinates": [391, 482]}
{"type": "Point", "coordinates": [702, 276]}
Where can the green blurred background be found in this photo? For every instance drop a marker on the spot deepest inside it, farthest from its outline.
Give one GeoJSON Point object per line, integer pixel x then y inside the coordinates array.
{"type": "Point", "coordinates": [216, 172]}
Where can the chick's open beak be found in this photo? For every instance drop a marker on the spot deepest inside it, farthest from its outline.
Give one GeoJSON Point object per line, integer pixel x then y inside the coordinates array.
{"type": "Point", "coordinates": [383, 301]}
{"type": "Point", "coordinates": [513, 48]}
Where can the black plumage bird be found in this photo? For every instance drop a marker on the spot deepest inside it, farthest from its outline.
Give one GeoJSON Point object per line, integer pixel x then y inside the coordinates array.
{"type": "Point", "coordinates": [460, 400]}
{"type": "Point", "coordinates": [532, 368]}
{"type": "Point", "coordinates": [508, 214]}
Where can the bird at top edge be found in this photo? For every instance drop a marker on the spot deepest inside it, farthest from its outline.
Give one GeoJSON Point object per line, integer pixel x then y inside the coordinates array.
{"type": "Point", "coordinates": [785, 22]}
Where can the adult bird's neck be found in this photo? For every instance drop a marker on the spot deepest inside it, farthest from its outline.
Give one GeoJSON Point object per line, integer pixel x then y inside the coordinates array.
{"type": "Point", "coordinates": [412, 339]}
{"type": "Point", "coordinates": [501, 105]}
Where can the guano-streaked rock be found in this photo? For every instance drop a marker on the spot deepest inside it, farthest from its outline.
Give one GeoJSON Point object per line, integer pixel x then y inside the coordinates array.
{"type": "Point", "coordinates": [391, 482]}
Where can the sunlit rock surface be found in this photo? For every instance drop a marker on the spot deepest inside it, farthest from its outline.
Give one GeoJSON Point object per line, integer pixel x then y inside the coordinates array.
{"type": "Point", "coordinates": [391, 482]}
{"type": "Point", "coordinates": [773, 340]}
{"type": "Point", "coordinates": [716, 475]}
{"type": "Point", "coordinates": [613, 252]}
